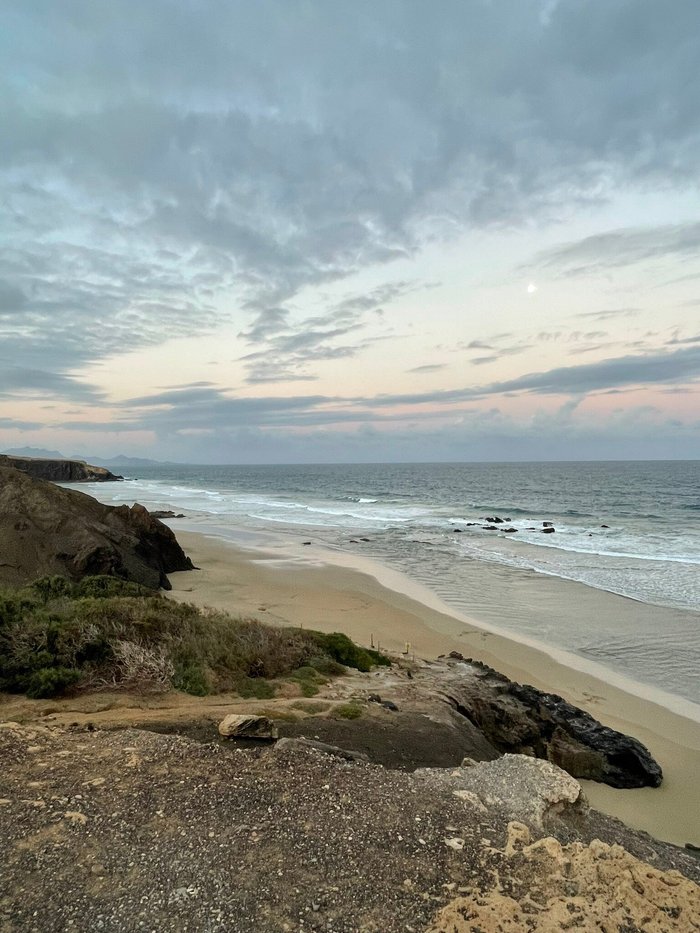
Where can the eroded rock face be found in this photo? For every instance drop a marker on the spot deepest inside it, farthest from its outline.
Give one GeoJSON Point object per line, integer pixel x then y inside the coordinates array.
{"type": "Point", "coordinates": [519, 718]}
{"type": "Point", "coordinates": [59, 471]}
{"type": "Point", "coordinates": [579, 887]}
{"type": "Point", "coordinates": [47, 530]}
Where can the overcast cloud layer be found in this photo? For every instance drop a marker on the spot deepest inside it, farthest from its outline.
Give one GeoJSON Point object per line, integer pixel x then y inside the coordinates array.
{"type": "Point", "coordinates": [310, 229]}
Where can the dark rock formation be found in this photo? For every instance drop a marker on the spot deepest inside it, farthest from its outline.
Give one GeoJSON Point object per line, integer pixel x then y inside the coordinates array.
{"type": "Point", "coordinates": [59, 471]}
{"type": "Point", "coordinates": [548, 531]}
{"type": "Point", "coordinates": [489, 528]}
{"type": "Point", "coordinates": [167, 513]}
{"type": "Point", "coordinates": [47, 530]}
{"type": "Point", "coordinates": [522, 719]}
{"type": "Point", "coordinates": [548, 524]}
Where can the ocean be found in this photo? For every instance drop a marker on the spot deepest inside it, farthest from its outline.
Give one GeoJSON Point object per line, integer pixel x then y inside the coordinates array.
{"type": "Point", "coordinates": [630, 528]}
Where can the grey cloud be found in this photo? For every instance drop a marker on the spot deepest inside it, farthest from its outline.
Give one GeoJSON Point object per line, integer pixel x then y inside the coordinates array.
{"type": "Point", "coordinates": [427, 368]}
{"type": "Point", "coordinates": [268, 322]}
{"type": "Point", "coordinates": [16, 381]}
{"type": "Point", "coordinates": [232, 154]}
{"type": "Point", "coordinates": [287, 348]}
{"type": "Point", "coordinates": [619, 248]}
{"type": "Point", "coordinates": [19, 425]}
{"type": "Point", "coordinates": [610, 314]}
{"type": "Point", "coordinates": [677, 366]}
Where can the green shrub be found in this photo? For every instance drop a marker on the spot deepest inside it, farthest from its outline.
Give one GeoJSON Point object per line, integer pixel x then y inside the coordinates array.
{"type": "Point", "coordinates": [251, 688]}
{"type": "Point", "coordinates": [348, 711]}
{"type": "Point", "coordinates": [103, 587]}
{"type": "Point", "coordinates": [50, 681]}
{"type": "Point", "coordinates": [327, 666]}
{"type": "Point", "coordinates": [47, 588]}
{"type": "Point", "coordinates": [342, 649]}
{"type": "Point", "coordinates": [191, 678]}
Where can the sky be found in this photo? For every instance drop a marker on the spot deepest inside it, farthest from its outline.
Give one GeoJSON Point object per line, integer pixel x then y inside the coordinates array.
{"type": "Point", "coordinates": [323, 230]}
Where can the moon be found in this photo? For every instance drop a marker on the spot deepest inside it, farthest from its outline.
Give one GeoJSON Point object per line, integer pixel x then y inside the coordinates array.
{"type": "Point", "coordinates": [532, 288]}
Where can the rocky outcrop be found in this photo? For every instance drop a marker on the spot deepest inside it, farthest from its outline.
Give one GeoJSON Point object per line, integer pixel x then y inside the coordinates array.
{"type": "Point", "coordinates": [59, 471]}
{"type": "Point", "coordinates": [454, 694]}
{"type": "Point", "coordinates": [519, 718]}
{"type": "Point", "coordinates": [553, 887]}
{"type": "Point", "coordinates": [47, 530]}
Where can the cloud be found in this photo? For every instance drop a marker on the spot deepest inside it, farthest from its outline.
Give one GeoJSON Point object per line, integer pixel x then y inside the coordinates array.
{"type": "Point", "coordinates": [171, 411]}
{"type": "Point", "coordinates": [17, 381]}
{"type": "Point", "coordinates": [18, 425]}
{"type": "Point", "coordinates": [618, 248]}
{"type": "Point", "coordinates": [214, 160]}
{"type": "Point", "coordinates": [427, 368]}
{"type": "Point", "coordinates": [287, 348]}
{"type": "Point", "coordinates": [611, 314]}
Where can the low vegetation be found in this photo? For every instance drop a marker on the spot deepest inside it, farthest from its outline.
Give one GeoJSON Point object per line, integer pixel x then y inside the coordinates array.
{"type": "Point", "coordinates": [347, 711]}
{"type": "Point", "coordinates": [103, 633]}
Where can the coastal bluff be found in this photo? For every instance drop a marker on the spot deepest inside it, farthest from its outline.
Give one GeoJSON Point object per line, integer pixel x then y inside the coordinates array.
{"type": "Point", "coordinates": [47, 530]}
{"type": "Point", "coordinates": [59, 471]}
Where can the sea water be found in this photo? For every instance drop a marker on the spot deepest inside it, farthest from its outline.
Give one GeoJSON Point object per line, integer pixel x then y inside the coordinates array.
{"type": "Point", "coordinates": [631, 528]}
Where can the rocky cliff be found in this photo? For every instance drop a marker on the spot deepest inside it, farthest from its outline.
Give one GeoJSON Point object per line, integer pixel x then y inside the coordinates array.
{"type": "Point", "coordinates": [46, 530]}
{"type": "Point", "coordinates": [59, 471]}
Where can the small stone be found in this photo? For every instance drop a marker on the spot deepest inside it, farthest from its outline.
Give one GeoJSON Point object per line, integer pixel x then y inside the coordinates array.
{"type": "Point", "coordinates": [75, 817]}
{"type": "Point", "coordinates": [454, 842]}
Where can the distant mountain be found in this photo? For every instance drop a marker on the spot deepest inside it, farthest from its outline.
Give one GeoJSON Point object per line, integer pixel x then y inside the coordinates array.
{"type": "Point", "coordinates": [39, 452]}
{"type": "Point", "coordinates": [122, 461]}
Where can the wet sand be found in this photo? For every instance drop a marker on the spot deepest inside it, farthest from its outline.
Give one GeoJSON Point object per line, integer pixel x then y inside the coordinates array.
{"type": "Point", "coordinates": [335, 591]}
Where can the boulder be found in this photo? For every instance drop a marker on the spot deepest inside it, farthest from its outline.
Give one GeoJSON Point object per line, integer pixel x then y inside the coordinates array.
{"type": "Point", "coordinates": [521, 719]}
{"type": "Point", "coordinates": [46, 530]}
{"type": "Point", "coordinates": [548, 524]}
{"type": "Point", "coordinates": [346, 754]}
{"type": "Point", "coordinates": [248, 727]}
{"type": "Point", "coordinates": [548, 530]}
{"type": "Point", "coordinates": [528, 790]}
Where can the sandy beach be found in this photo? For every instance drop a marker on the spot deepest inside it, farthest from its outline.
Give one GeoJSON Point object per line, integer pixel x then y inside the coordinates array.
{"type": "Point", "coordinates": [336, 591]}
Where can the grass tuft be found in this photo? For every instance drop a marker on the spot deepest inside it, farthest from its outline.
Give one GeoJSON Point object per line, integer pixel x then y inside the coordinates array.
{"type": "Point", "coordinates": [347, 711]}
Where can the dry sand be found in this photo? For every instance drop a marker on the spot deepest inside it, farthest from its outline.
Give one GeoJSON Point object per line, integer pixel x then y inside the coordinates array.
{"type": "Point", "coordinates": [336, 591]}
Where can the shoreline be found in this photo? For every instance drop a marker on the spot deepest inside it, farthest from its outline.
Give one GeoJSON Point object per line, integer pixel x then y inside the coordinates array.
{"type": "Point", "coordinates": [335, 591]}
